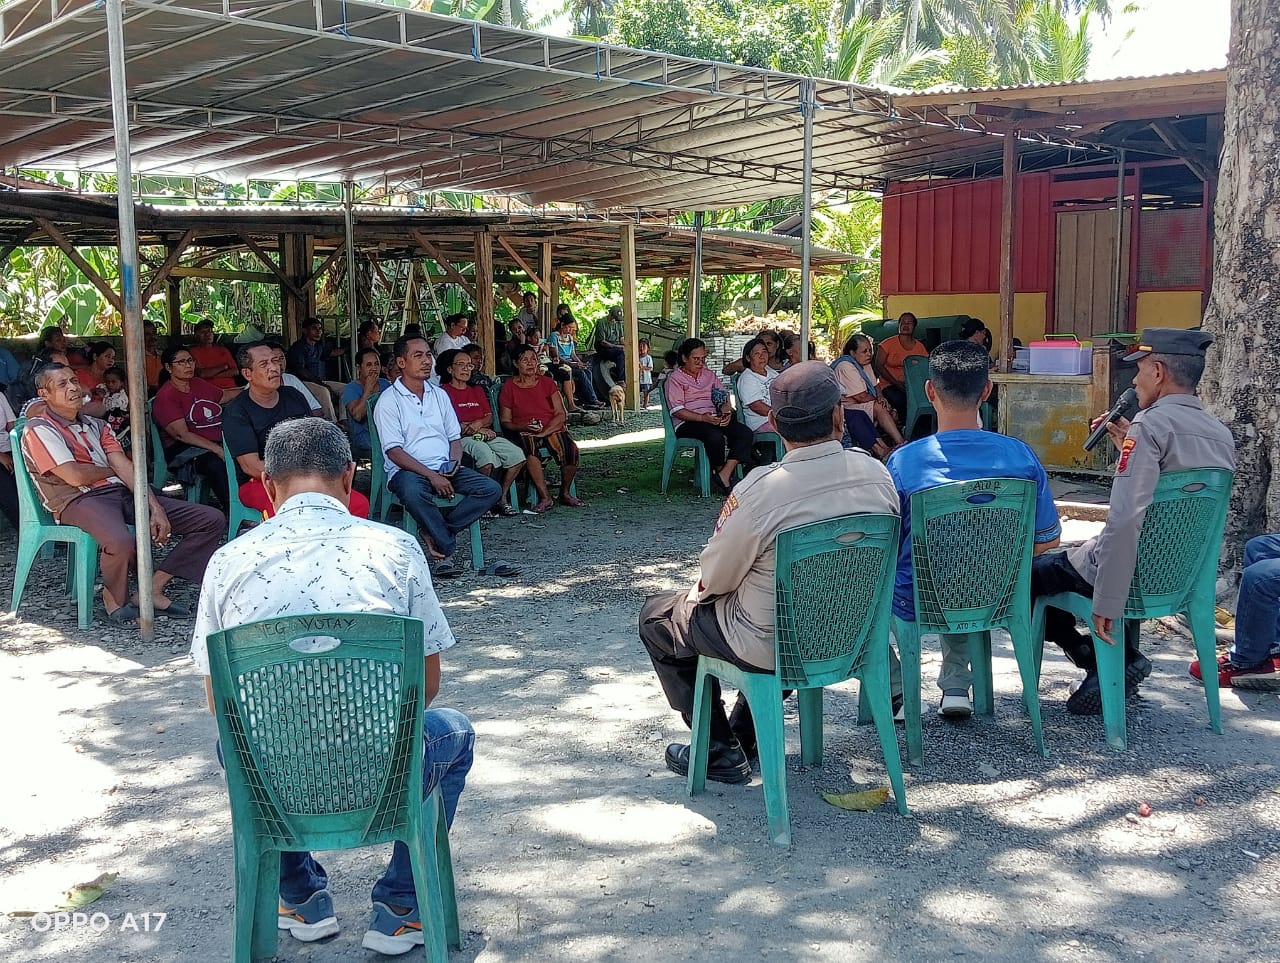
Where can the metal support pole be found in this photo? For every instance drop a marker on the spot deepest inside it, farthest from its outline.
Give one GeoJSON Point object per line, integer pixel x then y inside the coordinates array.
{"type": "Point", "coordinates": [695, 278]}
{"type": "Point", "coordinates": [1117, 299]}
{"type": "Point", "coordinates": [131, 299]}
{"type": "Point", "coordinates": [1008, 235]}
{"type": "Point", "coordinates": [808, 95]}
{"type": "Point", "coordinates": [348, 199]}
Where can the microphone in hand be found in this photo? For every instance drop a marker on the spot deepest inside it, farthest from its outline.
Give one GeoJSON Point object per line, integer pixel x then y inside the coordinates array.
{"type": "Point", "coordinates": [1125, 407]}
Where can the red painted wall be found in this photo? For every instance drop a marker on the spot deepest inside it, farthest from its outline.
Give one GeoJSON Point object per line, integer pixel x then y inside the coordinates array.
{"type": "Point", "coordinates": [943, 237]}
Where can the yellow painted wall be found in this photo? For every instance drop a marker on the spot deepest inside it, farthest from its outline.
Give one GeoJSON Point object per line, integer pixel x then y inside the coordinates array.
{"type": "Point", "coordinates": [1028, 311]}
{"type": "Point", "coordinates": [1168, 309]}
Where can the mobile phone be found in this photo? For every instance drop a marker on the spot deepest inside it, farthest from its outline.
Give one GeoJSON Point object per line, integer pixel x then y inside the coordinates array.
{"type": "Point", "coordinates": [448, 468]}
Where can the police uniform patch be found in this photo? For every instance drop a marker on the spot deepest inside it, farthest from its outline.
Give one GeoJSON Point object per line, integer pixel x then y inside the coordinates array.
{"type": "Point", "coordinates": [730, 505]}
{"type": "Point", "coordinates": [1125, 450]}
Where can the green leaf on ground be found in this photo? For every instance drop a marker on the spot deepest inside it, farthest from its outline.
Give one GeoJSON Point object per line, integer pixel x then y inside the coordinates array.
{"type": "Point", "coordinates": [82, 894]}
{"type": "Point", "coordinates": [862, 802]}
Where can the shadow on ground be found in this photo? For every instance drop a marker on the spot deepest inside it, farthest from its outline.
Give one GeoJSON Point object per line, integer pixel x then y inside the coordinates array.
{"type": "Point", "coordinates": [573, 842]}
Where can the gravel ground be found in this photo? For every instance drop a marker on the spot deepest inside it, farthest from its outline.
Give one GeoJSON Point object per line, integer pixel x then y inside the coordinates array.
{"type": "Point", "coordinates": [573, 842]}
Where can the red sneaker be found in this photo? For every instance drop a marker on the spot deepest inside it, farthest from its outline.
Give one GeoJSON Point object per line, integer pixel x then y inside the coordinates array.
{"type": "Point", "coordinates": [1265, 677]}
{"type": "Point", "coordinates": [1228, 672]}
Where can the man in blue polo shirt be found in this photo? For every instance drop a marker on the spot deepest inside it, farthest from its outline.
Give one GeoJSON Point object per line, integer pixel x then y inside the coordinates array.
{"type": "Point", "coordinates": [961, 451]}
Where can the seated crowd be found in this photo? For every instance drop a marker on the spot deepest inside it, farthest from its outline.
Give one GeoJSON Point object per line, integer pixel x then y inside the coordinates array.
{"type": "Point", "coordinates": [449, 462]}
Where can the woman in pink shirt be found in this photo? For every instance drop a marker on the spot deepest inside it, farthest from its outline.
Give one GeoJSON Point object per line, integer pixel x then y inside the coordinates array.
{"type": "Point", "coordinates": [699, 408]}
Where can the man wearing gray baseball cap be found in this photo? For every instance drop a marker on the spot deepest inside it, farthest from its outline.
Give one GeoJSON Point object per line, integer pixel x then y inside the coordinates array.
{"type": "Point", "coordinates": [1170, 432]}
{"type": "Point", "coordinates": [729, 611]}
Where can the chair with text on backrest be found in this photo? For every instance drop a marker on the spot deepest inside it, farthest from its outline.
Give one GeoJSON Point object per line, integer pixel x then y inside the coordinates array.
{"type": "Point", "coordinates": [770, 438]}
{"type": "Point", "coordinates": [833, 586]}
{"type": "Point", "coordinates": [1177, 565]}
{"type": "Point", "coordinates": [673, 444]}
{"type": "Point", "coordinates": [160, 475]}
{"type": "Point", "coordinates": [320, 723]}
{"type": "Point", "coordinates": [387, 498]}
{"type": "Point", "coordinates": [38, 529]}
{"type": "Point", "coordinates": [915, 372]}
{"type": "Point", "coordinates": [237, 512]}
{"type": "Point", "coordinates": [971, 547]}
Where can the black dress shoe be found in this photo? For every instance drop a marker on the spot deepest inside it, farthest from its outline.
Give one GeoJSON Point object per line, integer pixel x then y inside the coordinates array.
{"type": "Point", "coordinates": [725, 763]}
{"type": "Point", "coordinates": [1086, 695]}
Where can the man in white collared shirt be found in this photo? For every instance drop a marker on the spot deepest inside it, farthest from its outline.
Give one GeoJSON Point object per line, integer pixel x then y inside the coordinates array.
{"type": "Point", "coordinates": [420, 435]}
{"type": "Point", "coordinates": [314, 556]}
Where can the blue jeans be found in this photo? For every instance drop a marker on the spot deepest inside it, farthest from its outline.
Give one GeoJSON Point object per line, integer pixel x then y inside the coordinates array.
{"type": "Point", "coordinates": [479, 494]}
{"type": "Point", "coordinates": [583, 385]}
{"type": "Point", "coordinates": [1258, 609]}
{"type": "Point", "coordinates": [448, 745]}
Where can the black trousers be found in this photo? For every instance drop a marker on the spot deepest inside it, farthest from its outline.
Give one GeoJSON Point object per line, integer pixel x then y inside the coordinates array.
{"type": "Point", "coordinates": [675, 631]}
{"type": "Point", "coordinates": [897, 398]}
{"type": "Point", "coordinates": [735, 436]}
{"type": "Point", "coordinates": [9, 495]}
{"type": "Point", "coordinates": [1052, 573]}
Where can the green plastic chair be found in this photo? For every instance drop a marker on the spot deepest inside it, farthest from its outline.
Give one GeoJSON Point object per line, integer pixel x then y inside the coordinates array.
{"type": "Point", "coordinates": [971, 547]}
{"type": "Point", "coordinates": [915, 371]}
{"type": "Point", "coordinates": [237, 512]}
{"type": "Point", "coordinates": [771, 438]}
{"type": "Point", "coordinates": [320, 721]}
{"type": "Point", "coordinates": [38, 530]}
{"type": "Point", "coordinates": [387, 498]}
{"type": "Point", "coordinates": [672, 445]}
{"type": "Point", "coordinates": [833, 589]}
{"type": "Point", "coordinates": [160, 476]}
{"type": "Point", "coordinates": [1177, 565]}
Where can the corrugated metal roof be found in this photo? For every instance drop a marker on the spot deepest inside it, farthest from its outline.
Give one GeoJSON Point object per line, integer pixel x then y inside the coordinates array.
{"type": "Point", "coordinates": [580, 245]}
{"type": "Point", "coordinates": [1145, 80]}
{"type": "Point", "coordinates": [300, 89]}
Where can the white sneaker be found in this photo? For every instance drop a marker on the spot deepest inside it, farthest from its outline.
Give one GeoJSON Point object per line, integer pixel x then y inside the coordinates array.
{"type": "Point", "coordinates": [956, 704]}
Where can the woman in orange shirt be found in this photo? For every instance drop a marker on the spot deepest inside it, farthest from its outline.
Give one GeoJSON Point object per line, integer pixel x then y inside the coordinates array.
{"type": "Point", "coordinates": [890, 357]}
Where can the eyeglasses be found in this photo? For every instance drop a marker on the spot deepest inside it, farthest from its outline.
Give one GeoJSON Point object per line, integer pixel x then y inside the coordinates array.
{"type": "Point", "coordinates": [183, 361]}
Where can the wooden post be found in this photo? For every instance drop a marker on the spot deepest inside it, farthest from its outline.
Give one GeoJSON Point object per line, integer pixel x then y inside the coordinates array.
{"type": "Point", "coordinates": [666, 298]}
{"type": "Point", "coordinates": [630, 313]}
{"type": "Point", "coordinates": [1008, 216]}
{"type": "Point", "coordinates": [764, 291]}
{"type": "Point", "coordinates": [173, 305]}
{"type": "Point", "coordinates": [547, 297]}
{"type": "Point", "coordinates": [484, 297]}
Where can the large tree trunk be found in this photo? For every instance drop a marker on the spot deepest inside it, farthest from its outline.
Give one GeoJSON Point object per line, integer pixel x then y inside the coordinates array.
{"type": "Point", "coordinates": [1243, 374]}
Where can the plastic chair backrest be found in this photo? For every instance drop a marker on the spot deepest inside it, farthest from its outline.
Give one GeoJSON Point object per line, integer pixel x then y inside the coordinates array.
{"type": "Point", "coordinates": [31, 510]}
{"type": "Point", "coordinates": [159, 466]}
{"type": "Point", "coordinates": [668, 423]}
{"type": "Point", "coordinates": [320, 718]}
{"type": "Point", "coordinates": [378, 457]}
{"type": "Point", "coordinates": [833, 585]}
{"type": "Point", "coordinates": [915, 372]}
{"type": "Point", "coordinates": [494, 390]}
{"type": "Point", "coordinates": [971, 546]}
{"type": "Point", "coordinates": [230, 464]}
{"type": "Point", "coordinates": [1181, 541]}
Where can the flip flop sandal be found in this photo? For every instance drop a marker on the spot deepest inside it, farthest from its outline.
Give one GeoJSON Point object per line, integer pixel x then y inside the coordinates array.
{"type": "Point", "coordinates": [506, 511]}
{"type": "Point", "coordinates": [175, 611]}
{"type": "Point", "coordinates": [543, 507]}
{"type": "Point", "coordinates": [124, 615]}
{"type": "Point", "coordinates": [504, 569]}
{"type": "Point", "coordinates": [445, 569]}
{"type": "Point", "coordinates": [573, 502]}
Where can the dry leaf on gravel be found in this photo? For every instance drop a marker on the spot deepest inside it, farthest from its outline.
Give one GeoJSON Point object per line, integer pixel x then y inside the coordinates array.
{"type": "Point", "coordinates": [862, 802]}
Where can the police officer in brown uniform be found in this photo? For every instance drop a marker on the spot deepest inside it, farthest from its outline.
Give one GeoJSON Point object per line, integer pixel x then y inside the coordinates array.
{"type": "Point", "coordinates": [729, 611]}
{"type": "Point", "coordinates": [1170, 432]}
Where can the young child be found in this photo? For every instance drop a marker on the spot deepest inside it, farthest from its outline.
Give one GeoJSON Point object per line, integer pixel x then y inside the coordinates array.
{"type": "Point", "coordinates": [646, 373]}
{"type": "Point", "coordinates": [115, 398]}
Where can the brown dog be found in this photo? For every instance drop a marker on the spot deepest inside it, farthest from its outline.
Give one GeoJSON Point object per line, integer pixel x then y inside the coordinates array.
{"type": "Point", "coordinates": [618, 403]}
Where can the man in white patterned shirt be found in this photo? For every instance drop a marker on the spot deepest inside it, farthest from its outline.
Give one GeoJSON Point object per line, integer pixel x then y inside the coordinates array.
{"type": "Point", "coordinates": [314, 556]}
